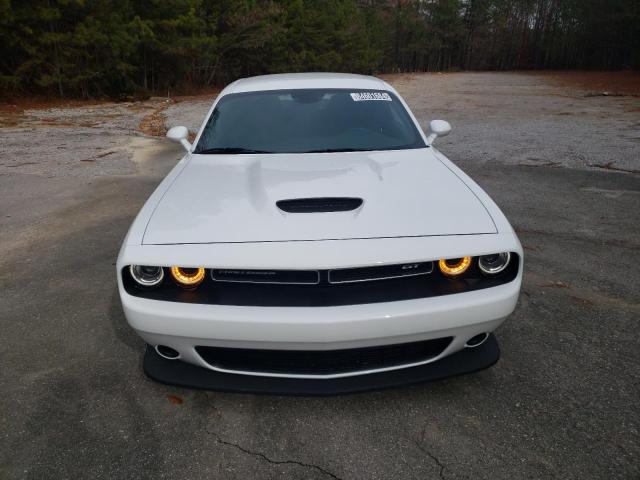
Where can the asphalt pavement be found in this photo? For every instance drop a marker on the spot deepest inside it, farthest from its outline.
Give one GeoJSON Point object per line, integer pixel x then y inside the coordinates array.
{"type": "Point", "coordinates": [562, 402]}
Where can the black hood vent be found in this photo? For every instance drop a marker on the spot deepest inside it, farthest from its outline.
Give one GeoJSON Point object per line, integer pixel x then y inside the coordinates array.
{"type": "Point", "coordinates": [319, 204]}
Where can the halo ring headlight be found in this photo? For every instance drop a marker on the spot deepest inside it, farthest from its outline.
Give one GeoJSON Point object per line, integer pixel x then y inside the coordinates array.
{"type": "Point", "coordinates": [146, 275]}
{"type": "Point", "coordinates": [188, 277]}
{"type": "Point", "coordinates": [454, 267]}
{"type": "Point", "coordinates": [494, 263]}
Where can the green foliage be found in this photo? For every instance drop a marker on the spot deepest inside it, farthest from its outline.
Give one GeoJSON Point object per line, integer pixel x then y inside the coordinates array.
{"type": "Point", "coordinates": [90, 48]}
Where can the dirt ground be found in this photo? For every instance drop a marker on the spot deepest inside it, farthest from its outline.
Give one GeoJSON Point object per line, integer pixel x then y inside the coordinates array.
{"type": "Point", "coordinates": [560, 154]}
{"type": "Point", "coordinates": [575, 120]}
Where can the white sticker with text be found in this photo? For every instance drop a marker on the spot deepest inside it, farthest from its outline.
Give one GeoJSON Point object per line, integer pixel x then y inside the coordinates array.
{"type": "Point", "coordinates": [366, 96]}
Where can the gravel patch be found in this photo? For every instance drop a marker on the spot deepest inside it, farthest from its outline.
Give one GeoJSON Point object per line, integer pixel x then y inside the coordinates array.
{"type": "Point", "coordinates": [522, 119]}
{"type": "Point", "coordinates": [510, 118]}
{"type": "Point", "coordinates": [188, 113]}
{"type": "Point", "coordinates": [85, 141]}
{"type": "Point", "coordinates": [506, 118]}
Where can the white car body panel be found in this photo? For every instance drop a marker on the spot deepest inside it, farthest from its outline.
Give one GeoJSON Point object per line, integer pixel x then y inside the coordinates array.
{"type": "Point", "coordinates": [321, 328]}
{"type": "Point", "coordinates": [407, 193]}
{"type": "Point", "coordinates": [219, 212]}
{"type": "Point", "coordinates": [319, 254]}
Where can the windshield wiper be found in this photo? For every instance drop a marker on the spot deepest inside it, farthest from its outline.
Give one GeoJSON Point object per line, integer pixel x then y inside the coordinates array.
{"type": "Point", "coordinates": [333, 150]}
{"type": "Point", "coordinates": [228, 150]}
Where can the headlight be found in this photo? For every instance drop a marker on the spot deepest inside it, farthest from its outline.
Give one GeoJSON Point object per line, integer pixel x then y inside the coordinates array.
{"type": "Point", "coordinates": [188, 277]}
{"type": "Point", "coordinates": [146, 276]}
{"type": "Point", "coordinates": [495, 263]}
{"type": "Point", "coordinates": [453, 267]}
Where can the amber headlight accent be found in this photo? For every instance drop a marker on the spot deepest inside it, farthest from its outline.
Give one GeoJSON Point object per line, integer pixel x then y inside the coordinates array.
{"type": "Point", "coordinates": [188, 277]}
{"type": "Point", "coordinates": [146, 275]}
{"type": "Point", "coordinates": [452, 267]}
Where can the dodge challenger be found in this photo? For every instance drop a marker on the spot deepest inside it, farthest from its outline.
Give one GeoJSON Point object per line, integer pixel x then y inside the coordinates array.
{"type": "Point", "coordinates": [312, 240]}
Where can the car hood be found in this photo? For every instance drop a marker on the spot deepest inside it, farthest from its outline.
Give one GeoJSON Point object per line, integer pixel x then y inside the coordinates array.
{"type": "Point", "coordinates": [232, 198]}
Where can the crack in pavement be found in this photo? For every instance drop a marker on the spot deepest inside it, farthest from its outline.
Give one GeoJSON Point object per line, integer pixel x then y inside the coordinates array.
{"type": "Point", "coordinates": [270, 460]}
{"type": "Point", "coordinates": [440, 465]}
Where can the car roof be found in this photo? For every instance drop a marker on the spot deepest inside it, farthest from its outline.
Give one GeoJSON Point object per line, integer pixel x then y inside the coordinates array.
{"type": "Point", "coordinates": [289, 81]}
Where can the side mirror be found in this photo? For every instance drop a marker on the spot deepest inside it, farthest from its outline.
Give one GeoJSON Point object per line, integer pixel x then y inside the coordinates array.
{"type": "Point", "coordinates": [438, 128]}
{"type": "Point", "coordinates": [180, 135]}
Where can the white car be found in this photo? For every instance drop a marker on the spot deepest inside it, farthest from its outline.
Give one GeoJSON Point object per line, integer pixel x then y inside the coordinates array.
{"type": "Point", "coordinates": [313, 241]}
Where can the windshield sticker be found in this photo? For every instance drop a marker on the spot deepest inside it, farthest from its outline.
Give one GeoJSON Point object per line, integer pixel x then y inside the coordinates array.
{"type": "Point", "coordinates": [366, 96]}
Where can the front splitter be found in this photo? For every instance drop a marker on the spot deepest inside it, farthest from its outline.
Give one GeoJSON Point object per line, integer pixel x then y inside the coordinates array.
{"type": "Point", "coordinates": [175, 372]}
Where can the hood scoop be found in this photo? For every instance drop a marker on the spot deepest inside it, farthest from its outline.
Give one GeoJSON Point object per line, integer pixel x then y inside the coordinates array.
{"type": "Point", "coordinates": [385, 194]}
{"type": "Point", "coordinates": [319, 204]}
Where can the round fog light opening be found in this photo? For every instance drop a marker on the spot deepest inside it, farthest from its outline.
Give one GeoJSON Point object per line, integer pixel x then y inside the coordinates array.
{"type": "Point", "coordinates": [495, 263]}
{"type": "Point", "coordinates": [146, 275]}
{"type": "Point", "coordinates": [188, 277]}
{"type": "Point", "coordinates": [167, 352]}
{"type": "Point", "coordinates": [452, 267]}
{"type": "Point", "coordinates": [477, 340]}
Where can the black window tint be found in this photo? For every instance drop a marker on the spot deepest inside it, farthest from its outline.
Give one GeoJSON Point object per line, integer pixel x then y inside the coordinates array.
{"type": "Point", "coordinates": [289, 121]}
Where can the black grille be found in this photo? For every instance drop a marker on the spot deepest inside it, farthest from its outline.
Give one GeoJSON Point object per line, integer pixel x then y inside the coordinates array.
{"type": "Point", "coordinates": [304, 277]}
{"type": "Point", "coordinates": [317, 205]}
{"type": "Point", "coordinates": [382, 272]}
{"type": "Point", "coordinates": [324, 362]}
{"type": "Point", "coordinates": [313, 288]}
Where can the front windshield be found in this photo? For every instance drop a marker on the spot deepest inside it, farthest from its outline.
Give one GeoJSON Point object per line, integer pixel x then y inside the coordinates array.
{"type": "Point", "coordinates": [313, 120]}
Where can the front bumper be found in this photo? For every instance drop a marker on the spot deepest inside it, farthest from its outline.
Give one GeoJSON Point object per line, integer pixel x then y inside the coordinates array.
{"type": "Point", "coordinates": [183, 327]}
{"type": "Point", "coordinates": [186, 375]}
